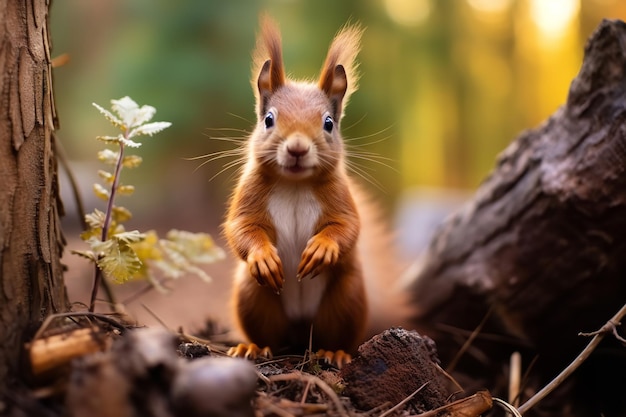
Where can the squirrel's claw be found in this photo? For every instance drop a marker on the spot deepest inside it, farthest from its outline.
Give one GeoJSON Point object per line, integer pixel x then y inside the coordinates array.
{"type": "Point", "coordinates": [339, 358]}
{"type": "Point", "coordinates": [320, 252]}
{"type": "Point", "coordinates": [249, 351]}
{"type": "Point", "coordinates": [265, 266]}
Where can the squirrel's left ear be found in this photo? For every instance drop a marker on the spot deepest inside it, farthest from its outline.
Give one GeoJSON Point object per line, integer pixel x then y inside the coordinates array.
{"type": "Point", "coordinates": [339, 76]}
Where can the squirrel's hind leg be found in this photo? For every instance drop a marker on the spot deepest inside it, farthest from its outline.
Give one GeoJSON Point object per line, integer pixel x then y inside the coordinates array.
{"type": "Point", "coordinates": [341, 319]}
{"type": "Point", "coordinates": [259, 312]}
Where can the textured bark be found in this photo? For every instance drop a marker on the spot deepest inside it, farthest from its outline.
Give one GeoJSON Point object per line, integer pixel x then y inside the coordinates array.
{"type": "Point", "coordinates": [31, 284]}
{"type": "Point", "coordinates": [541, 249]}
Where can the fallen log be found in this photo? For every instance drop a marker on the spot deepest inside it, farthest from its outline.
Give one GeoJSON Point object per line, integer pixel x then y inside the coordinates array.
{"type": "Point", "coordinates": [539, 254]}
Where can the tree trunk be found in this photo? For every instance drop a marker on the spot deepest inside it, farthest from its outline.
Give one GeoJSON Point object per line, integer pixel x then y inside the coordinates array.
{"type": "Point", "coordinates": [31, 243]}
{"type": "Point", "coordinates": [540, 252]}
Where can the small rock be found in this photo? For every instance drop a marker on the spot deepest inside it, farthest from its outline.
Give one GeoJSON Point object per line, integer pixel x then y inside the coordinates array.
{"type": "Point", "coordinates": [216, 387]}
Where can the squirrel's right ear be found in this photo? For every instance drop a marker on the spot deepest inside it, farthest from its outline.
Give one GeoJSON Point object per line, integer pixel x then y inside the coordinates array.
{"type": "Point", "coordinates": [268, 64]}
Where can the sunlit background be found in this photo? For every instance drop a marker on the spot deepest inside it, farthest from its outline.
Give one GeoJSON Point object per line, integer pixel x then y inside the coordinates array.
{"type": "Point", "coordinates": [446, 85]}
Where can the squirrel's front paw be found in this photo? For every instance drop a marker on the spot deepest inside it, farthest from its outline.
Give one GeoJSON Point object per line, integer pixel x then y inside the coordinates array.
{"type": "Point", "coordinates": [265, 266]}
{"type": "Point", "coordinates": [319, 253]}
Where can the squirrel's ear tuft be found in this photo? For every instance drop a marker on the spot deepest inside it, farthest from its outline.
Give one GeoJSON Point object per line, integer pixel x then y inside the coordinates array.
{"type": "Point", "coordinates": [335, 85]}
{"type": "Point", "coordinates": [268, 73]}
{"type": "Point", "coordinates": [339, 78]}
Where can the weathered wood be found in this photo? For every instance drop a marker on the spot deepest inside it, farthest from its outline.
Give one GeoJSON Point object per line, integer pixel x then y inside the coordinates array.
{"type": "Point", "coordinates": [31, 244]}
{"type": "Point", "coordinates": [541, 249]}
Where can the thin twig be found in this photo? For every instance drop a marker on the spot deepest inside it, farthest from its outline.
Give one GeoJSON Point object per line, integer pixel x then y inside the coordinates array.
{"type": "Point", "coordinates": [156, 317]}
{"type": "Point", "coordinates": [515, 377]}
{"type": "Point", "coordinates": [262, 377]}
{"type": "Point", "coordinates": [78, 200]}
{"type": "Point", "coordinates": [507, 407]}
{"type": "Point", "coordinates": [267, 403]}
{"type": "Point", "coordinates": [46, 323]}
{"type": "Point", "coordinates": [407, 399]}
{"type": "Point", "coordinates": [474, 405]}
{"type": "Point", "coordinates": [526, 376]}
{"type": "Point", "coordinates": [613, 325]}
{"type": "Point", "coordinates": [376, 410]}
{"type": "Point", "coordinates": [469, 341]}
{"type": "Point", "coordinates": [575, 363]}
{"type": "Point", "coordinates": [306, 392]}
{"type": "Point", "coordinates": [139, 293]}
{"type": "Point", "coordinates": [449, 377]}
{"type": "Point", "coordinates": [296, 375]}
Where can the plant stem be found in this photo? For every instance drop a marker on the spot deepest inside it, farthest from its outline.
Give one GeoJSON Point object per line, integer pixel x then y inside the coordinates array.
{"type": "Point", "coordinates": [80, 208]}
{"type": "Point", "coordinates": [116, 179]}
{"type": "Point", "coordinates": [107, 221]}
{"type": "Point", "coordinates": [599, 335]}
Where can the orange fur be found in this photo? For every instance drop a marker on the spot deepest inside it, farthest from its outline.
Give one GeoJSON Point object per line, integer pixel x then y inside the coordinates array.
{"type": "Point", "coordinates": [295, 177]}
{"type": "Point", "coordinates": [343, 51]}
{"type": "Point", "coordinates": [268, 53]}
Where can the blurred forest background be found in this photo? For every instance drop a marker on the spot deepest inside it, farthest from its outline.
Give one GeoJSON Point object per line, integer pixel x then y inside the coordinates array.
{"type": "Point", "coordinates": [446, 85]}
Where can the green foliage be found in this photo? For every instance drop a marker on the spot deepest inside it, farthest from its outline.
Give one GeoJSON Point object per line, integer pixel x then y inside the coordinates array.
{"type": "Point", "coordinates": [176, 255]}
{"type": "Point", "coordinates": [117, 258]}
{"type": "Point", "coordinates": [124, 255]}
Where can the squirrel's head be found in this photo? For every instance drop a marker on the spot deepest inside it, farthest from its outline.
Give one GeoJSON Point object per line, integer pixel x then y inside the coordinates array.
{"type": "Point", "coordinates": [297, 133]}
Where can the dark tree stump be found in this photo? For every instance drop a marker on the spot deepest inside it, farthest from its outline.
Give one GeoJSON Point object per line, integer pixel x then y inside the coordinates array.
{"type": "Point", "coordinates": [541, 249]}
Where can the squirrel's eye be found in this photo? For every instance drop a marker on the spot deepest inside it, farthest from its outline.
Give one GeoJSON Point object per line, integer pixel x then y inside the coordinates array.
{"type": "Point", "coordinates": [269, 120]}
{"type": "Point", "coordinates": [328, 124]}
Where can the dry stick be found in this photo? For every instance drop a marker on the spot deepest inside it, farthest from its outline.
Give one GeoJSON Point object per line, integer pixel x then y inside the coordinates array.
{"type": "Point", "coordinates": [156, 317]}
{"type": "Point", "coordinates": [306, 392]}
{"type": "Point", "coordinates": [311, 356]}
{"type": "Point", "coordinates": [78, 200]}
{"type": "Point", "coordinates": [401, 403]}
{"type": "Point", "coordinates": [489, 337]}
{"type": "Point", "coordinates": [515, 376]}
{"type": "Point", "coordinates": [474, 405]}
{"type": "Point", "coordinates": [508, 407]}
{"type": "Point", "coordinates": [526, 377]}
{"type": "Point", "coordinates": [449, 378]}
{"type": "Point", "coordinates": [139, 293]}
{"type": "Point", "coordinates": [262, 377]}
{"type": "Point", "coordinates": [599, 335]}
{"type": "Point", "coordinates": [469, 341]}
{"type": "Point", "coordinates": [214, 347]}
{"type": "Point", "coordinates": [274, 408]}
{"type": "Point", "coordinates": [102, 317]}
{"type": "Point", "coordinates": [318, 382]}
{"type": "Point", "coordinates": [374, 411]}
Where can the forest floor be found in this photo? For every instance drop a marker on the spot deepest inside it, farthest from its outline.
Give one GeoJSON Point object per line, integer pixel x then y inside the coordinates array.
{"type": "Point", "coordinates": [196, 315]}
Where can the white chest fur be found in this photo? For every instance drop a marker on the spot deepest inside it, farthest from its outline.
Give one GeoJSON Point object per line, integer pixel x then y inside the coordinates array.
{"type": "Point", "coordinates": [295, 211]}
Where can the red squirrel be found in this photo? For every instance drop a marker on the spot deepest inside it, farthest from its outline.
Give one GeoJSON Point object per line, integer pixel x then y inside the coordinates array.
{"type": "Point", "coordinates": [296, 218]}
